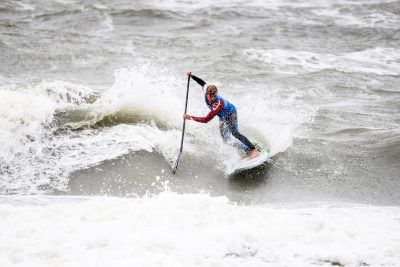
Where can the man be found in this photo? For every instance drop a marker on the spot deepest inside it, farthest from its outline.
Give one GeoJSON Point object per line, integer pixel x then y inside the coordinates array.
{"type": "Point", "coordinates": [227, 114]}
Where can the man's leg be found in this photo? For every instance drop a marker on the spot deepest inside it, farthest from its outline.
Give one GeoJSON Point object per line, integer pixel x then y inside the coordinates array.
{"type": "Point", "coordinates": [244, 143]}
{"type": "Point", "coordinates": [224, 131]}
{"type": "Point", "coordinates": [226, 134]}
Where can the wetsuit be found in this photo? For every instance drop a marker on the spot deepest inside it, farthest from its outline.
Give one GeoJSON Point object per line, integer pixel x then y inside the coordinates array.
{"type": "Point", "coordinates": [227, 114]}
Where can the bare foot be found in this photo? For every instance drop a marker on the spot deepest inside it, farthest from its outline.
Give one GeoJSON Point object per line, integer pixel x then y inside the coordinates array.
{"type": "Point", "coordinates": [253, 154]}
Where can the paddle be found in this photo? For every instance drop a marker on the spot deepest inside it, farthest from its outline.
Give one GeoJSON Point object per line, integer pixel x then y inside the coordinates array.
{"type": "Point", "coordinates": [183, 128]}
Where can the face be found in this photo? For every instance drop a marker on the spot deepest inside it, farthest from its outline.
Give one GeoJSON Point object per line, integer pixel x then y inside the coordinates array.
{"type": "Point", "coordinates": [211, 97]}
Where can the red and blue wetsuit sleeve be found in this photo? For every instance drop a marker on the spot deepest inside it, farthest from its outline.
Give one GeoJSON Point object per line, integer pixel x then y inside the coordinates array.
{"type": "Point", "coordinates": [217, 107]}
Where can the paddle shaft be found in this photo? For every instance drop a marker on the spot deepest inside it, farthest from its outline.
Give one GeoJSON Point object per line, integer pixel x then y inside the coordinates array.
{"type": "Point", "coordinates": [183, 128]}
{"type": "Point", "coordinates": [184, 121]}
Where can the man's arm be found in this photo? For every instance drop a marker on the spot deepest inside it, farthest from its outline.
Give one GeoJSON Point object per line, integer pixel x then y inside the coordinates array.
{"type": "Point", "coordinates": [197, 79]}
{"type": "Point", "coordinates": [216, 108]}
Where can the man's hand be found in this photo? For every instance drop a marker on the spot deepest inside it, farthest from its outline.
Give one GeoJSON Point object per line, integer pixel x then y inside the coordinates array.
{"type": "Point", "coordinates": [187, 117]}
{"type": "Point", "coordinates": [189, 74]}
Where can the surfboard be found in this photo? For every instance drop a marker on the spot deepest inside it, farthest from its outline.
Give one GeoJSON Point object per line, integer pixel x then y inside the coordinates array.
{"type": "Point", "coordinates": [247, 164]}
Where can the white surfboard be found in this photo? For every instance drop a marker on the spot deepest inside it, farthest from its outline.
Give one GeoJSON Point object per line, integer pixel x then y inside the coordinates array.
{"type": "Point", "coordinates": [247, 164]}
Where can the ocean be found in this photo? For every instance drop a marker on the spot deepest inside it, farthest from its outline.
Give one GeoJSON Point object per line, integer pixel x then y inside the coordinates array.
{"type": "Point", "coordinates": [92, 94]}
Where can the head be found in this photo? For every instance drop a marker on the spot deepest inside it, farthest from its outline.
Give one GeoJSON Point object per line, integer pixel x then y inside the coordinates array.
{"type": "Point", "coordinates": [211, 93]}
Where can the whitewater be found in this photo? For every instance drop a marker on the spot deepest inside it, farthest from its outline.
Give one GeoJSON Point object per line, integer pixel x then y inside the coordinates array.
{"type": "Point", "coordinates": [91, 101]}
{"type": "Point", "coordinates": [194, 230]}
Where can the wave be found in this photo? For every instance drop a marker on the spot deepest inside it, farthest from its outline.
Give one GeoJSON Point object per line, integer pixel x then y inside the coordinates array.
{"type": "Point", "coordinates": [379, 61]}
{"type": "Point", "coordinates": [12, 5]}
{"type": "Point", "coordinates": [27, 110]}
{"type": "Point", "coordinates": [26, 127]}
{"type": "Point", "coordinates": [55, 128]}
{"type": "Point", "coordinates": [346, 13]}
{"type": "Point", "coordinates": [211, 231]}
{"type": "Point", "coordinates": [38, 150]}
{"type": "Point", "coordinates": [388, 147]}
{"type": "Point", "coordinates": [147, 12]}
{"type": "Point", "coordinates": [372, 15]}
{"type": "Point", "coordinates": [134, 97]}
{"type": "Point", "coordinates": [77, 120]}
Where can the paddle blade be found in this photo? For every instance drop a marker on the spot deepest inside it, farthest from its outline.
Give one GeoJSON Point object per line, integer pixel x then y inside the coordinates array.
{"type": "Point", "coordinates": [176, 164]}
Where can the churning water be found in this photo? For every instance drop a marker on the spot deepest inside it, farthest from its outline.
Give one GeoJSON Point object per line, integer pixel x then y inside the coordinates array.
{"type": "Point", "coordinates": [91, 101]}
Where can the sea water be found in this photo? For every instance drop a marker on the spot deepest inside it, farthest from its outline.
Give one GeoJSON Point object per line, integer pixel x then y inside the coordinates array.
{"type": "Point", "coordinates": [91, 101]}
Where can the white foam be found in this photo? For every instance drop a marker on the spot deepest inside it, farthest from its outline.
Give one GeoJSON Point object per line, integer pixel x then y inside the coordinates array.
{"type": "Point", "coordinates": [194, 230]}
{"type": "Point", "coordinates": [272, 120]}
{"type": "Point", "coordinates": [143, 90]}
{"type": "Point", "coordinates": [32, 156]}
{"type": "Point", "coordinates": [150, 93]}
{"type": "Point", "coordinates": [380, 61]}
{"type": "Point", "coordinates": [90, 147]}
{"type": "Point", "coordinates": [25, 126]}
{"type": "Point", "coordinates": [26, 111]}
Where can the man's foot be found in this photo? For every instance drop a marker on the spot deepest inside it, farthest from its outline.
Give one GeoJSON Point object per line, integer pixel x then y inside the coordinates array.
{"type": "Point", "coordinates": [253, 154]}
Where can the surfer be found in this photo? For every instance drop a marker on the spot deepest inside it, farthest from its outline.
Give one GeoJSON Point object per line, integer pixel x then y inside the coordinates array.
{"type": "Point", "coordinates": [227, 114]}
